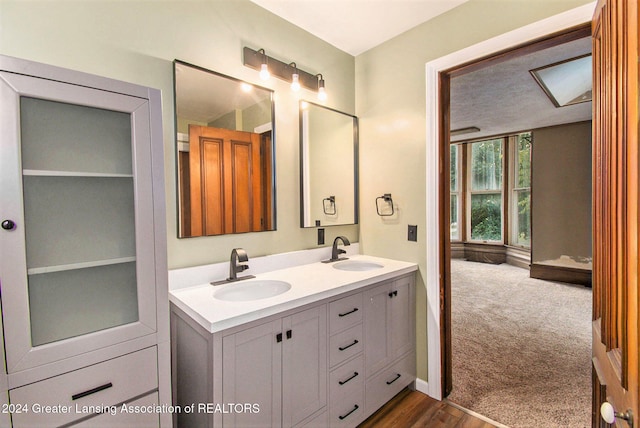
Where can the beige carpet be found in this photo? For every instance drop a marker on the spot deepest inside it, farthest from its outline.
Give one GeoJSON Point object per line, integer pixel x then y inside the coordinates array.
{"type": "Point", "coordinates": [521, 347]}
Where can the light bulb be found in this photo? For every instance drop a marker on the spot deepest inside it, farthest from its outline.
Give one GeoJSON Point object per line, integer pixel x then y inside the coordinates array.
{"type": "Point", "coordinates": [295, 83]}
{"type": "Point", "coordinates": [264, 72]}
{"type": "Point", "coordinates": [322, 94]}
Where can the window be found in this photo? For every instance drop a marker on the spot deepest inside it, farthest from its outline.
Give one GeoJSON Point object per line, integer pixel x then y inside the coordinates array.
{"type": "Point", "coordinates": [521, 190]}
{"type": "Point", "coordinates": [456, 150]}
{"type": "Point", "coordinates": [485, 191]}
{"type": "Point", "coordinates": [479, 205]}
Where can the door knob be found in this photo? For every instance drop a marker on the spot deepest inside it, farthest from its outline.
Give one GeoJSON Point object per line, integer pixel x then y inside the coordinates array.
{"type": "Point", "coordinates": [609, 414]}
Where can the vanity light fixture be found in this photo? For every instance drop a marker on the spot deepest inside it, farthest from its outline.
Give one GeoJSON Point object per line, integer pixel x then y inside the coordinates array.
{"type": "Point", "coordinates": [295, 78]}
{"type": "Point", "coordinates": [264, 68]}
{"type": "Point", "coordinates": [289, 72]}
{"type": "Point", "coordinates": [322, 94]}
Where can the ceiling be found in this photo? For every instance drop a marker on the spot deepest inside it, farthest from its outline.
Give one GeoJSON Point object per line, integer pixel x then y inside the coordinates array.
{"type": "Point", "coordinates": [356, 26]}
{"type": "Point", "coordinates": [505, 98]}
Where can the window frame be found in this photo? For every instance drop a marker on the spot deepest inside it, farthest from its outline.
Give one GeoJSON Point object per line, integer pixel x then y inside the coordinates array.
{"type": "Point", "coordinates": [468, 147]}
{"type": "Point", "coordinates": [514, 191]}
{"type": "Point", "coordinates": [458, 192]}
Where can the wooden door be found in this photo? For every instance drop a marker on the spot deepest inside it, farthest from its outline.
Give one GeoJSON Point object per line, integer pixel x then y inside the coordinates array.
{"type": "Point", "coordinates": [226, 177]}
{"type": "Point", "coordinates": [615, 208]}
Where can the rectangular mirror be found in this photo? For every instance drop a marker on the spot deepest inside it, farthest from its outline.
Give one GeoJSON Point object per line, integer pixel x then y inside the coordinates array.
{"type": "Point", "coordinates": [328, 166]}
{"type": "Point", "coordinates": [225, 154]}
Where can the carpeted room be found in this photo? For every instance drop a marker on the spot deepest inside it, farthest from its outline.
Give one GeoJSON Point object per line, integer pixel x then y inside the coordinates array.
{"type": "Point", "coordinates": [521, 346]}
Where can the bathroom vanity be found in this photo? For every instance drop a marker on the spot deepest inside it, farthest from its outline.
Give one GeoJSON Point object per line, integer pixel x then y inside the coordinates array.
{"type": "Point", "coordinates": [328, 351]}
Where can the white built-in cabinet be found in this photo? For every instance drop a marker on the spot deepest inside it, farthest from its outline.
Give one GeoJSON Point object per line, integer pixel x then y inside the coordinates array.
{"type": "Point", "coordinates": [315, 366]}
{"type": "Point", "coordinates": [82, 248]}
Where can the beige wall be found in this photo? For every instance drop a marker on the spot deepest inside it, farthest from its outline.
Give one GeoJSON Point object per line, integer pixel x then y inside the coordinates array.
{"type": "Point", "coordinates": [136, 41]}
{"type": "Point", "coordinates": [561, 196]}
{"type": "Point", "coordinates": [391, 106]}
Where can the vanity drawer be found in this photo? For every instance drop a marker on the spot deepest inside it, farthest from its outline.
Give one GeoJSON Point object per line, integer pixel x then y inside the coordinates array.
{"type": "Point", "coordinates": [71, 396]}
{"type": "Point", "coordinates": [345, 312]}
{"type": "Point", "coordinates": [133, 419]}
{"type": "Point", "coordinates": [347, 379]}
{"type": "Point", "coordinates": [345, 345]}
{"type": "Point", "coordinates": [382, 387]}
{"type": "Point", "coordinates": [346, 407]}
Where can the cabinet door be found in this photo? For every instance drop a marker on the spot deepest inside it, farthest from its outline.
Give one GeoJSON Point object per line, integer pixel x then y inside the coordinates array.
{"type": "Point", "coordinates": [304, 385]}
{"type": "Point", "coordinates": [389, 322]}
{"type": "Point", "coordinates": [401, 324]}
{"type": "Point", "coordinates": [251, 374]}
{"type": "Point", "coordinates": [77, 269]}
{"type": "Point", "coordinates": [376, 315]}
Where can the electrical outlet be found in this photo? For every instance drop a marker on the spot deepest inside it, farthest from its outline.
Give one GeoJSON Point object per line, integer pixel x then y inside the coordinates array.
{"type": "Point", "coordinates": [320, 236]}
{"type": "Point", "coordinates": [413, 233]}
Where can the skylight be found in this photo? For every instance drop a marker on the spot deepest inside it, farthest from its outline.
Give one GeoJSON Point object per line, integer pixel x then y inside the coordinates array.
{"type": "Point", "coordinates": [567, 82]}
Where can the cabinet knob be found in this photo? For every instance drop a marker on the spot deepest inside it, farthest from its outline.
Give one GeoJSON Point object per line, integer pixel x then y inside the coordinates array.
{"type": "Point", "coordinates": [8, 224]}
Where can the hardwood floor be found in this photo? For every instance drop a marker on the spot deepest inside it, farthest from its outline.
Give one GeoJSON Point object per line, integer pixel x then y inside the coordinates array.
{"type": "Point", "coordinates": [415, 409]}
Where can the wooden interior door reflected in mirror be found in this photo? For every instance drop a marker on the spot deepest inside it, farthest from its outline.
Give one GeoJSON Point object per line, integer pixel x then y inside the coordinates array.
{"type": "Point", "coordinates": [228, 181]}
{"type": "Point", "coordinates": [225, 158]}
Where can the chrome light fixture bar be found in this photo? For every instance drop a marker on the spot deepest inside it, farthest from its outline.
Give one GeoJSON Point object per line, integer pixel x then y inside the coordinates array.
{"type": "Point", "coordinates": [257, 58]}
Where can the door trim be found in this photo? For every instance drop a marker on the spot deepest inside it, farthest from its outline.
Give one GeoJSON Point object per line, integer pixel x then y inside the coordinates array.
{"type": "Point", "coordinates": [434, 260]}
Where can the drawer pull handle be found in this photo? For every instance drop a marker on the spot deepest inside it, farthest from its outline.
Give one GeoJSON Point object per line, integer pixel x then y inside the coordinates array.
{"type": "Point", "coordinates": [342, 382]}
{"type": "Point", "coordinates": [355, 407]}
{"type": "Point", "coordinates": [395, 379]}
{"type": "Point", "coordinates": [393, 293]}
{"type": "Point", "coordinates": [342, 348]}
{"type": "Point", "coordinates": [91, 391]}
{"type": "Point", "coordinates": [347, 313]}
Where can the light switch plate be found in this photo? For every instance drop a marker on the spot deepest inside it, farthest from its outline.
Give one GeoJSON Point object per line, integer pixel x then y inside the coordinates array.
{"type": "Point", "coordinates": [413, 233]}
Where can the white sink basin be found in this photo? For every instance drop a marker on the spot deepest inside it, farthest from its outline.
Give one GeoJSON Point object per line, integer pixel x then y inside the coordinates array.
{"type": "Point", "coordinates": [357, 265]}
{"type": "Point", "coordinates": [251, 290]}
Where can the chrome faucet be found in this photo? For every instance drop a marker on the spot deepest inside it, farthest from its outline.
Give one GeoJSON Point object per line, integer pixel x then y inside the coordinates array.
{"type": "Point", "coordinates": [335, 251]}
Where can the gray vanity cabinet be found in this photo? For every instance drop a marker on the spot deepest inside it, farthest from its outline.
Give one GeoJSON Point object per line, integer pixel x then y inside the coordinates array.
{"type": "Point", "coordinates": [331, 363]}
{"type": "Point", "coordinates": [389, 326]}
{"type": "Point", "coordinates": [280, 366]}
{"type": "Point", "coordinates": [389, 335]}
{"type": "Point", "coordinates": [83, 245]}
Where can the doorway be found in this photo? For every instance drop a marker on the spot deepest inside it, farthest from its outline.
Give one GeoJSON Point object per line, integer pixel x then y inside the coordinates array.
{"type": "Point", "coordinates": [437, 173]}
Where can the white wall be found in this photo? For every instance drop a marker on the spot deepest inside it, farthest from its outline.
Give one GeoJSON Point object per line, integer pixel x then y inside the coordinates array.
{"type": "Point", "coordinates": [136, 41]}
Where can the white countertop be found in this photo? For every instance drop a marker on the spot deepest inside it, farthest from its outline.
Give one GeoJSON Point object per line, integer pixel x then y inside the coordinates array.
{"type": "Point", "coordinates": [309, 283]}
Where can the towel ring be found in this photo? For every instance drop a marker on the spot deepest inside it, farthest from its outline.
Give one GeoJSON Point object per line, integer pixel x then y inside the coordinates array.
{"type": "Point", "coordinates": [386, 198]}
{"type": "Point", "coordinates": [332, 203]}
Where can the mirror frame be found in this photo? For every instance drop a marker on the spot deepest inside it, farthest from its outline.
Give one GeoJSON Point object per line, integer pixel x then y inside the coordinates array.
{"type": "Point", "coordinates": [356, 174]}
{"type": "Point", "coordinates": [177, 142]}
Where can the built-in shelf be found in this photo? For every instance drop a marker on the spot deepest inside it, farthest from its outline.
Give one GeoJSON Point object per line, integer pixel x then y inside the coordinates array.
{"type": "Point", "coordinates": [83, 265]}
{"type": "Point", "coordinates": [45, 173]}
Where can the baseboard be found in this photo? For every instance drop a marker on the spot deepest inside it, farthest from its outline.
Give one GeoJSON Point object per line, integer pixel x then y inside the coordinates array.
{"type": "Point", "coordinates": [561, 274]}
{"type": "Point", "coordinates": [423, 386]}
